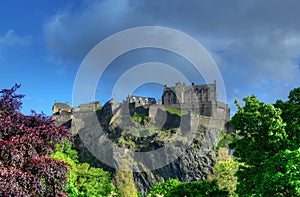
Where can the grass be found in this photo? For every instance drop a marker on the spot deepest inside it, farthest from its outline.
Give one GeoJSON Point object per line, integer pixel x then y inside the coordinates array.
{"type": "Point", "coordinates": [228, 138]}
{"type": "Point", "coordinates": [153, 128]}
{"type": "Point", "coordinates": [177, 111]}
{"type": "Point", "coordinates": [140, 118]}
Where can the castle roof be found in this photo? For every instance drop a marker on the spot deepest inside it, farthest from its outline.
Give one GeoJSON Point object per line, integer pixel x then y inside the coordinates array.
{"type": "Point", "coordinates": [136, 98]}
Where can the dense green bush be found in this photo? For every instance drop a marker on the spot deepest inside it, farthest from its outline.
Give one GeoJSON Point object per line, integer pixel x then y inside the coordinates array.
{"type": "Point", "coordinates": [123, 180]}
{"type": "Point", "coordinates": [162, 188]}
{"type": "Point", "coordinates": [197, 189]}
{"type": "Point", "coordinates": [268, 144]}
{"type": "Point", "coordinates": [224, 171]}
{"type": "Point", "coordinates": [141, 119]}
{"type": "Point", "coordinates": [174, 188]}
{"type": "Point", "coordinates": [83, 180]}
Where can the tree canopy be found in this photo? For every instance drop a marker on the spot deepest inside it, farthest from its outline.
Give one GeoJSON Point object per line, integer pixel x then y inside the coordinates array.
{"type": "Point", "coordinates": [25, 143]}
{"type": "Point", "coordinates": [268, 144]}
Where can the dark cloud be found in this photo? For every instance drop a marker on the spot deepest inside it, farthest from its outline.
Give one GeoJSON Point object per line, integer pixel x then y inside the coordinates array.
{"type": "Point", "coordinates": [255, 43]}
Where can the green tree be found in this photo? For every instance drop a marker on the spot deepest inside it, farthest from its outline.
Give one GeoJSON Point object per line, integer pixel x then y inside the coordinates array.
{"type": "Point", "coordinates": [93, 182]}
{"type": "Point", "coordinates": [175, 188]}
{"type": "Point", "coordinates": [163, 188]}
{"type": "Point", "coordinates": [291, 116]}
{"type": "Point", "coordinates": [197, 189]}
{"type": "Point", "coordinates": [123, 180]}
{"type": "Point", "coordinates": [224, 171]}
{"type": "Point", "coordinates": [263, 146]}
{"type": "Point", "coordinates": [83, 180]}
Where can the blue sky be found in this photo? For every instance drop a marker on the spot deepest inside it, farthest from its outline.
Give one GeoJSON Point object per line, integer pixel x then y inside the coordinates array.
{"type": "Point", "coordinates": [256, 44]}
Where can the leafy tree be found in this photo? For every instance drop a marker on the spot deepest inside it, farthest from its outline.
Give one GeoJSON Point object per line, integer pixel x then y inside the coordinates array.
{"type": "Point", "coordinates": [197, 189]}
{"type": "Point", "coordinates": [93, 182]}
{"type": "Point", "coordinates": [281, 175]}
{"type": "Point", "coordinates": [124, 182]}
{"type": "Point", "coordinates": [175, 188]}
{"type": "Point", "coordinates": [224, 171]}
{"type": "Point", "coordinates": [83, 180]}
{"type": "Point", "coordinates": [261, 131]}
{"type": "Point", "coordinates": [163, 188]}
{"type": "Point", "coordinates": [25, 141]}
{"type": "Point", "coordinates": [270, 169]}
{"type": "Point", "coordinates": [291, 116]}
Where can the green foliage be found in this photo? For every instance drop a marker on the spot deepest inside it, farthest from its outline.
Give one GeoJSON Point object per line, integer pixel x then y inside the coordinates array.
{"type": "Point", "coordinates": [174, 188]}
{"type": "Point", "coordinates": [141, 119]}
{"type": "Point", "coordinates": [281, 175]}
{"type": "Point", "coordinates": [224, 172]}
{"type": "Point", "coordinates": [294, 96]}
{"type": "Point", "coordinates": [269, 146]}
{"type": "Point", "coordinates": [68, 151]}
{"type": "Point", "coordinates": [227, 139]}
{"type": "Point", "coordinates": [125, 184]}
{"type": "Point", "coordinates": [93, 181]}
{"type": "Point", "coordinates": [83, 180]}
{"type": "Point", "coordinates": [291, 116]}
{"type": "Point", "coordinates": [177, 111]}
{"type": "Point", "coordinates": [261, 131]}
{"type": "Point", "coordinates": [163, 188]}
{"type": "Point", "coordinates": [197, 189]}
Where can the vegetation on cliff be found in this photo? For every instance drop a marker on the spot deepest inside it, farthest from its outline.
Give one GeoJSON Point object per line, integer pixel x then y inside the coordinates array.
{"type": "Point", "coordinates": [83, 180]}
{"type": "Point", "coordinates": [37, 158]}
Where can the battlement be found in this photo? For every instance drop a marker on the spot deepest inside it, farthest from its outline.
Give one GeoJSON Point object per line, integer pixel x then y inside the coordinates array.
{"type": "Point", "coordinates": [201, 100]}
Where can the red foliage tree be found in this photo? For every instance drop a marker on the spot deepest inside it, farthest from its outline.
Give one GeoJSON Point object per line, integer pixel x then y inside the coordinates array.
{"type": "Point", "coordinates": [25, 142]}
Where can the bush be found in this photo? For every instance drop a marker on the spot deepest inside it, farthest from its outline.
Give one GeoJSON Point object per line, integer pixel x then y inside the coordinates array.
{"type": "Point", "coordinates": [174, 188]}
{"type": "Point", "coordinates": [83, 180]}
{"type": "Point", "coordinates": [25, 143]}
{"type": "Point", "coordinates": [162, 188]}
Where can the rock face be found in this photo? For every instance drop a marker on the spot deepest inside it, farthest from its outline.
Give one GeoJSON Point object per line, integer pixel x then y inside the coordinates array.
{"type": "Point", "coordinates": [113, 133]}
{"type": "Point", "coordinates": [195, 163]}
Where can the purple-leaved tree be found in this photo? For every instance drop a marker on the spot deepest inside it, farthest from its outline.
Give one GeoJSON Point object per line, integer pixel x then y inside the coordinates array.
{"type": "Point", "coordinates": [25, 143]}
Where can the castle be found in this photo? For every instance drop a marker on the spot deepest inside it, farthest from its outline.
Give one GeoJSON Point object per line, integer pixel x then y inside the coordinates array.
{"type": "Point", "coordinates": [116, 119]}
{"type": "Point", "coordinates": [203, 98]}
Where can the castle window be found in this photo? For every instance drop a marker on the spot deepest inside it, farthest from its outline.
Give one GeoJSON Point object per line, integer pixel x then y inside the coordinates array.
{"type": "Point", "coordinates": [140, 100]}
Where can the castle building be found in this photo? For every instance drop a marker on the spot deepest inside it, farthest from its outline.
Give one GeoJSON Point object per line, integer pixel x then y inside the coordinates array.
{"type": "Point", "coordinates": [59, 108]}
{"type": "Point", "coordinates": [204, 97]}
{"type": "Point", "coordinates": [90, 105]}
{"type": "Point", "coordinates": [142, 100]}
{"type": "Point", "coordinates": [200, 100]}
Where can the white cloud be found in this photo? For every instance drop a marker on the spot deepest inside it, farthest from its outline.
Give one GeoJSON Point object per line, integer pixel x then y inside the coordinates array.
{"type": "Point", "coordinates": [11, 39]}
{"type": "Point", "coordinates": [255, 43]}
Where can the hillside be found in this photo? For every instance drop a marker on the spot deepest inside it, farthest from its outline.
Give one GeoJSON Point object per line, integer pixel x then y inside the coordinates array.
{"type": "Point", "coordinates": [157, 143]}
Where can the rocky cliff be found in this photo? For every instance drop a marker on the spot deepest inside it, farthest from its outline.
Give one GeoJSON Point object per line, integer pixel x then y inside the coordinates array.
{"type": "Point", "coordinates": [163, 146]}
